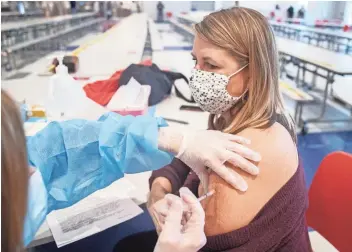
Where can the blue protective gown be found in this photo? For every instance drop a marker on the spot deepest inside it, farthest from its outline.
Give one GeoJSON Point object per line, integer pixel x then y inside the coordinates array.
{"type": "Point", "coordinates": [78, 157]}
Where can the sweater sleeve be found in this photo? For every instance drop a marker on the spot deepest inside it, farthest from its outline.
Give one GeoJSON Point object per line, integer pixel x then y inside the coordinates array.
{"type": "Point", "coordinates": [176, 173]}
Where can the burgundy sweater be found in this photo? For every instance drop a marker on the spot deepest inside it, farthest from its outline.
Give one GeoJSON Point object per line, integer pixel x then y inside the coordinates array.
{"type": "Point", "coordinates": [279, 226]}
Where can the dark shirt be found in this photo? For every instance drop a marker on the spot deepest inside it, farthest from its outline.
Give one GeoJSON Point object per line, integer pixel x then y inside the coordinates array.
{"type": "Point", "coordinates": [290, 12]}
{"type": "Point", "coordinates": [160, 7]}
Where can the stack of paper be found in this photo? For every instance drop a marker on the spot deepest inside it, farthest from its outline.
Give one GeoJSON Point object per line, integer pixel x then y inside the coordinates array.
{"type": "Point", "coordinates": [99, 211]}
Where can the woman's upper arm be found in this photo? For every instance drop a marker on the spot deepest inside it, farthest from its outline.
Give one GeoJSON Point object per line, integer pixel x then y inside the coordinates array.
{"type": "Point", "coordinates": [229, 209]}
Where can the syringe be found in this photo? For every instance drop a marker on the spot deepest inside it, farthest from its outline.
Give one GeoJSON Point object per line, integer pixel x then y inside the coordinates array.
{"type": "Point", "coordinates": [208, 194]}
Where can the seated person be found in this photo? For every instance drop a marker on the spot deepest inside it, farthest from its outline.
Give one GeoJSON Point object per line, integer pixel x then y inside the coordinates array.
{"type": "Point", "coordinates": [236, 80]}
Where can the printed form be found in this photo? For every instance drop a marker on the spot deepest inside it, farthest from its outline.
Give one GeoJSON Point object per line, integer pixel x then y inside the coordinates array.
{"type": "Point", "coordinates": [99, 211]}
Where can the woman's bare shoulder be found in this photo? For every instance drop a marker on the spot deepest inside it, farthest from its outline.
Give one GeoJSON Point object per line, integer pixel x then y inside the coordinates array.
{"type": "Point", "coordinates": [274, 144]}
{"type": "Point", "coordinates": [228, 209]}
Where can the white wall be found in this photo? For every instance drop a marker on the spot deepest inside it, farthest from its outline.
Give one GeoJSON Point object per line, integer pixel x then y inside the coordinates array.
{"type": "Point", "coordinates": [203, 5]}
{"type": "Point", "coordinates": [348, 13]}
{"type": "Point", "coordinates": [319, 10]}
{"type": "Point", "coordinates": [265, 7]}
{"type": "Point", "coordinates": [314, 9]}
{"type": "Point", "coordinates": [338, 8]}
{"type": "Point", "coordinates": [179, 6]}
{"type": "Point", "coordinates": [224, 4]}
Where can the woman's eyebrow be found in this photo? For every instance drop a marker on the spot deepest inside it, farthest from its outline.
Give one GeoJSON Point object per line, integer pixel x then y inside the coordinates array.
{"type": "Point", "coordinates": [210, 59]}
{"type": "Point", "coordinates": [206, 58]}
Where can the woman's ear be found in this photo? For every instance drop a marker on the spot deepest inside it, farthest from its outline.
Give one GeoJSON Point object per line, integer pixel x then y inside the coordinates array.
{"type": "Point", "coordinates": [245, 80]}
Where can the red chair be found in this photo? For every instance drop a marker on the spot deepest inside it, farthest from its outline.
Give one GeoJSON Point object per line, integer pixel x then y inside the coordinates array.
{"type": "Point", "coordinates": [330, 200]}
{"type": "Point", "coordinates": [345, 28]}
{"type": "Point", "coordinates": [169, 14]}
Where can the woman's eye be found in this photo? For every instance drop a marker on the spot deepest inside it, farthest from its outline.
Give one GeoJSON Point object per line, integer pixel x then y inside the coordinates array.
{"type": "Point", "coordinates": [195, 61]}
{"type": "Point", "coordinates": [211, 66]}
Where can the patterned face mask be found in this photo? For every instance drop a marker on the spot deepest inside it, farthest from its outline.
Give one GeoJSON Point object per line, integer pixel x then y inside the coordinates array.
{"type": "Point", "coordinates": [209, 91]}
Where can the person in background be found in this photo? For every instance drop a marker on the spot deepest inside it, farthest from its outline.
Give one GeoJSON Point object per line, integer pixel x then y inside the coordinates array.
{"type": "Point", "coordinates": [120, 10]}
{"type": "Point", "coordinates": [290, 12]}
{"type": "Point", "coordinates": [101, 8]}
{"type": "Point", "coordinates": [160, 9]}
{"type": "Point", "coordinates": [193, 8]}
{"type": "Point", "coordinates": [278, 13]}
{"type": "Point", "coordinates": [301, 12]}
{"type": "Point", "coordinates": [20, 8]}
{"type": "Point", "coordinates": [138, 7]}
{"type": "Point", "coordinates": [73, 7]}
{"type": "Point", "coordinates": [134, 7]}
{"type": "Point", "coordinates": [108, 10]}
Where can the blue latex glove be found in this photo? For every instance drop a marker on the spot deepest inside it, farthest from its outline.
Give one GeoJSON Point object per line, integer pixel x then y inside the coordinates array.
{"type": "Point", "coordinates": [78, 157]}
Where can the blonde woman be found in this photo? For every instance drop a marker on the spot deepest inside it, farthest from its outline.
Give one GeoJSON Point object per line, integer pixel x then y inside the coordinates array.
{"type": "Point", "coordinates": [236, 80]}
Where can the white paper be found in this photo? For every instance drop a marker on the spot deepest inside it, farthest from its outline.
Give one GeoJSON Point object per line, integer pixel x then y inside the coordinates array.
{"type": "Point", "coordinates": [97, 212]}
{"type": "Point", "coordinates": [130, 96]}
{"type": "Point", "coordinates": [32, 128]}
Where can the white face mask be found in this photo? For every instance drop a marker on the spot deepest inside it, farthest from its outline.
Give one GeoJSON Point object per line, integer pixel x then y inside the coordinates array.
{"type": "Point", "coordinates": [209, 90]}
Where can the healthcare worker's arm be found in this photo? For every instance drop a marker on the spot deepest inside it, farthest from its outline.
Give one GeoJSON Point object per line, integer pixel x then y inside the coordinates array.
{"type": "Point", "coordinates": [77, 157]}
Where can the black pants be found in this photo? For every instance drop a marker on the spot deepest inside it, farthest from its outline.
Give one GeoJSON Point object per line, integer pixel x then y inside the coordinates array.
{"type": "Point", "coordinates": [141, 242]}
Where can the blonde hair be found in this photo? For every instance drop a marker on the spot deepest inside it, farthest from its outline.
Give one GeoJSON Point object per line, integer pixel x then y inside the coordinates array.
{"type": "Point", "coordinates": [247, 35]}
{"type": "Point", "coordinates": [14, 175]}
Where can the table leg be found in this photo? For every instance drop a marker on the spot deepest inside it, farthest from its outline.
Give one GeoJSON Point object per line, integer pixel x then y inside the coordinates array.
{"type": "Point", "coordinates": [329, 80]}
{"type": "Point", "coordinates": [304, 74]}
{"type": "Point", "coordinates": [298, 83]}
{"type": "Point", "coordinates": [300, 113]}
{"type": "Point", "coordinates": [296, 113]}
{"type": "Point", "coordinates": [349, 43]}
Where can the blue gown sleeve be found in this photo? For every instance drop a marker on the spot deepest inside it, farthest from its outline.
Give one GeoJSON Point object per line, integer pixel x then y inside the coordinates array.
{"type": "Point", "coordinates": [78, 157]}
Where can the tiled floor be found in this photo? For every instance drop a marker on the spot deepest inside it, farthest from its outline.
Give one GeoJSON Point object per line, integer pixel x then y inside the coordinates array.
{"type": "Point", "coordinates": [314, 147]}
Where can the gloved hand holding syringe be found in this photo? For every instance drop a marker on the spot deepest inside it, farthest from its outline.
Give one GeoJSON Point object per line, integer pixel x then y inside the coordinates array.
{"type": "Point", "coordinates": [201, 198]}
{"type": "Point", "coordinates": [161, 208]}
{"type": "Point", "coordinates": [183, 223]}
{"type": "Point", "coordinates": [187, 213]}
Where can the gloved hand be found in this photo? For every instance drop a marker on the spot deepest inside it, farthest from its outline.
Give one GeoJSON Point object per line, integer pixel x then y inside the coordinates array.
{"type": "Point", "coordinates": [209, 148]}
{"type": "Point", "coordinates": [186, 237]}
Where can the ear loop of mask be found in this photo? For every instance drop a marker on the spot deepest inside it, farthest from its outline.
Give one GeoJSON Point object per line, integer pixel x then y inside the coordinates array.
{"type": "Point", "coordinates": [239, 70]}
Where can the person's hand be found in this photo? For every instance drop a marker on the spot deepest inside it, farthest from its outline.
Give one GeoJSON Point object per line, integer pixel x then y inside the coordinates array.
{"type": "Point", "coordinates": [157, 204]}
{"type": "Point", "coordinates": [186, 237]}
{"type": "Point", "coordinates": [158, 212]}
{"type": "Point", "coordinates": [211, 149]}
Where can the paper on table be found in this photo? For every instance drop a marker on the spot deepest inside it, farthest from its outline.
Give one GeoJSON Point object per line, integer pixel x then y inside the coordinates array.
{"type": "Point", "coordinates": [97, 212]}
{"type": "Point", "coordinates": [31, 128]}
{"type": "Point", "coordinates": [132, 95]}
